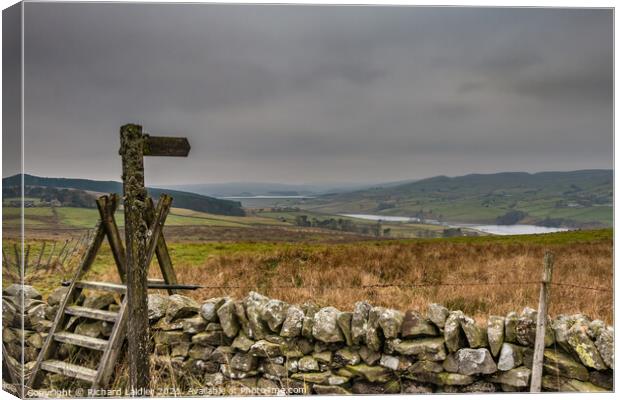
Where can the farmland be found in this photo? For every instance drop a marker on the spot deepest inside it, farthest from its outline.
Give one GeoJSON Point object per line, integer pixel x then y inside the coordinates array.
{"type": "Point", "coordinates": [577, 198]}
{"type": "Point", "coordinates": [308, 252]}
{"type": "Point", "coordinates": [265, 252]}
{"type": "Point", "coordinates": [59, 221]}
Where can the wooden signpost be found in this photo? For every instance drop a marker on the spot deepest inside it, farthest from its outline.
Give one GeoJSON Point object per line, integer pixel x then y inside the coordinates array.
{"type": "Point", "coordinates": [134, 146]}
{"type": "Point", "coordinates": [143, 239]}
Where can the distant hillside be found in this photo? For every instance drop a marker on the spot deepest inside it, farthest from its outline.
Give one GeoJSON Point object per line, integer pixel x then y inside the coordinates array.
{"type": "Point", "coordinates": [232, 189]}
{"type": "Point", "coordinates": [190, 201]}
{"type": "Point", "coordinates": [577, 198]}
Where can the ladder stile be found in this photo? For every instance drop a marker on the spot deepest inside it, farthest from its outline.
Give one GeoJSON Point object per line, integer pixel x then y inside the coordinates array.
{"type": "Point", "coordinates": [115, 343]}
{"type": "Point", "coordinates": [69, 311]}
{"type": "Point", "coordinates": [49, 346]}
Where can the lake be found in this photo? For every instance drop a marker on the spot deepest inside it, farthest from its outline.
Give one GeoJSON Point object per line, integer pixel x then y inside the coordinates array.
{"type": "Point", "coordinates": [520, 229]}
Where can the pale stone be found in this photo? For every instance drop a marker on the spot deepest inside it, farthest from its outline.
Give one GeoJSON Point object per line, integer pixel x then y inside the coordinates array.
{"type": "Point", "coordinates": [453, 334]}
{"type": "Point", "coordinates": [253, 304]}
{"type": "Point", "coordinates": [390, 322]}
{"type": "Point", "coordinates": [227, 318]}
{"type": "Point", "coordinates": [495, 334]}
{"type": "Point", "coordinates": [209, 308]}
{"type": "Point", "coordinates": [180, 306]}
{"type": "Point", "coordinates": [274, 312]}
{"type": "Point", "coordinates": [518, 377]}
{"type": "Point", "coordinates": [157, 305]}
{"type": "Point", "coordinates": [263, 348]}
{"type": "Point", "coordinates": [510, 356]}
{"type": "Point", "coordinates": [475, 361]}
{"type": "Point", "coordinates": [344, 323]}
{"type": "Point", "coordinates": [605, 346]}
{"type": "Point", "coordinates": [389, 362]}
{"type": "Point", "coordinates": [308, 364]}
{"type": "Point", "coordinates": [325, 327]}
{"type": "Point", "coordinates": [476, 336]}
{"type": "Point", "coordinates": [293, 323]}
{"type": "Point", "coordinates": [359, 322]}
{"type": "Point", "coordinates": [438, 314]}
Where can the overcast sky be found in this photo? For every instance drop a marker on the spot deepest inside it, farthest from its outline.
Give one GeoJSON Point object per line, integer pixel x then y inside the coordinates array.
{"type": "Point", "coordinates": [318, 94]}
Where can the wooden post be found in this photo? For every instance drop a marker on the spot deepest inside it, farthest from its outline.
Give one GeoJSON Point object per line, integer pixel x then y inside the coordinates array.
{"type": "Point", "coordinates": [5, 257]}
{"type": "Point", "coordinates": [107, 206]}
{"type": "Point", "coordinates": [62, 250]}
{"type": "Point", "coordinates": [71, 252]}
{"type": "Point", "coordinates": [541, 324]}
{"type": "Point", "coordinates": [40, 255]}
{"type": "Point", "coordinates": [49, 259]}
{"type": "Point", "coordinates": [163, 256]}
{"type": "Point", "coordinates": [26, 258]}
{"type": "Point", "coordinates": [132, 152]}
{"type": "Point", "coordinates": [134, 146]}
{"type": "Point", "coordinates": [17, 257]}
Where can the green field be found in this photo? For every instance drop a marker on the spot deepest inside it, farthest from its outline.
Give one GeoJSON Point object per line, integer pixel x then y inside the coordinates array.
{"type": "Point", "coordinates": [58, 218]}
{"type": "Point", "coordinates": [73, 217]}
{"type": "Point", "coordinates": [575, 199]}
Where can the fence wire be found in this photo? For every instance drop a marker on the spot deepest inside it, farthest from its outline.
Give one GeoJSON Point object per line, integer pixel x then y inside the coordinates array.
{"type": "Point", "coordinates": [411, 286]}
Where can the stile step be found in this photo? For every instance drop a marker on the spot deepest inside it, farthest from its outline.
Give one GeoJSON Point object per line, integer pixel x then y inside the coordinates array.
{"type": "Point", "coordinates": [107, 286]}
{"type": "Point", "coordinates": [81, 340]}
{"type": "Point", "coordinates": [70, 370]}
{"type": "Point", "coordinates": [92, 313]}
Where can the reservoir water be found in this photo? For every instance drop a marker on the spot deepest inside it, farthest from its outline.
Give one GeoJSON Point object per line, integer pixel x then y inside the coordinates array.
{"type": "Point", "coordinates": [515, 229]}
{"type": "Point", "coordinates": [520, 229]}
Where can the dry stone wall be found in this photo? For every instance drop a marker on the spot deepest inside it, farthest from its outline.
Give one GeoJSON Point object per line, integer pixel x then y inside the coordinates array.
{"type": "Point", "coordinates": [258, 345]}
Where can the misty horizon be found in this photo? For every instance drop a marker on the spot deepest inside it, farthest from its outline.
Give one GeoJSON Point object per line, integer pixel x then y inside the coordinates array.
{"type": "Point", "coordinates": [315, 183]}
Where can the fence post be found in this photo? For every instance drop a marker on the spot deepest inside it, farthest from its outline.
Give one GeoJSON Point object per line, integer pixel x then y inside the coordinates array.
{"type": "Point", "coordinates": [40, 255]}
{"type": "Point", "coordinates": [17, 259]}
{"type": "Point", "coordinates": [49, 259]}
{"type": "Point", "coordinates": [5, 257]}
{"type": "Point", "coordinates": [26, 258]}
{"type": "Point", "coordinates": [541, 324]}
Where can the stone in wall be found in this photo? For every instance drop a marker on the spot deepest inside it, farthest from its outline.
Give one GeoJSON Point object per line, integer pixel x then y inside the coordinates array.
{"type": "Point", "coordinates": [257, 343]}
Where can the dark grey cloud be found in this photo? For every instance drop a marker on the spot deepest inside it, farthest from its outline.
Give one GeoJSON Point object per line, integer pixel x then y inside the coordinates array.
{"type": "Point", "coordinates": [318, 93]}
{"type": "Point", "coordinates": [11, 90]}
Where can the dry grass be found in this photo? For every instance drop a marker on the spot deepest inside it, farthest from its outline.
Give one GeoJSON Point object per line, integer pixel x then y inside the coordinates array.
{"type": "Point", "coordinates": [334, 275]}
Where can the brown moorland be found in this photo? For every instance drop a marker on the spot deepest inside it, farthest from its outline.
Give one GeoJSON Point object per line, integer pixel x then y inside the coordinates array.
{"type": "Point", "coordinates": [480, 276]}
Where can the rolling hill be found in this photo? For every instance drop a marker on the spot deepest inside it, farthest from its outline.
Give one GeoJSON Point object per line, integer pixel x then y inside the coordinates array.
{"type": "Point", "coordinates": [186, 200]}
{"type": "Point", "coordinates": [576, 199]}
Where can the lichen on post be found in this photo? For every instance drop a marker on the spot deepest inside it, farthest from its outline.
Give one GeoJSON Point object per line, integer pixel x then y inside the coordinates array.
{"type": "Point", "coordinates": [136, 229]}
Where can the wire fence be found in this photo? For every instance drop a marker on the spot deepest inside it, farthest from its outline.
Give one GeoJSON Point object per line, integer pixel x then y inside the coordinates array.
{"type": "Point", "coordinates": [49, 253]}
{"type": "Point", "coordinates": [409, 286]}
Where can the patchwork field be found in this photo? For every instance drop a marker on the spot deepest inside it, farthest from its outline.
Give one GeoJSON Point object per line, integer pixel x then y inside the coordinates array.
{"type": "Point", "coordinates": [58, 222]}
